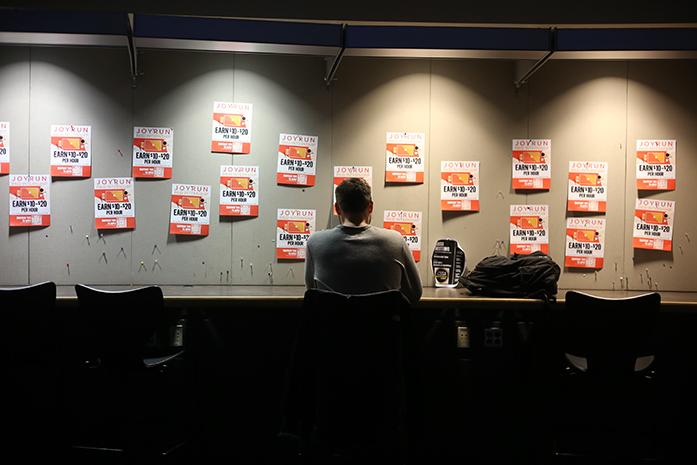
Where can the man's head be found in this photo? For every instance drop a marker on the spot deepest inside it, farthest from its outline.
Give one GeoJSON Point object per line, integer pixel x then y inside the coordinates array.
{"type": "Point", "coordinates": [354, 201]}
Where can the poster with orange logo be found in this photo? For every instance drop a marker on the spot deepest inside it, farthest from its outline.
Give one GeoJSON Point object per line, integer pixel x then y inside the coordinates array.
{"type": "Point", "coordinates": [653, 224]}
{"type": "Point", "coordinates": [408, 224]}
{"type": "Point", "coordinates": [346, 172]}
{"type": "Point", "coordinates": [405, 153]}
{"type": "Point", "coordinates": [114, 203]}
{"type": "Point", "coordinates": [532, 164]}
{"type": "Point", "coordinates": [71, 151]}
{"type": "Point", "coordinates": [587, 186]}
{"type": "Point", "coordinates": [239, 190]}
{"type": "Point", "coordinates": [297, 160]}
{"type": "Point", "coordinates": [30, 200]}
{"type": "Point", "coordinates": [190, 209]}
{"type": "Point", "coordinates": [585, 243]}
{"type": "Point", "coordinates": [459, 186]}
{"type": "Point", "coordinates": [232, 127]}
{"type": "Point", "coordinates": [529, 227]}
{"type": "Point", "coordinates": [655, 164]}
{"type": "Point", "coordinates": [153, 149]}
{"type": "Point", "coordinates": [293, 228]}
{"type": "Point", "coordinates": [4, 147]}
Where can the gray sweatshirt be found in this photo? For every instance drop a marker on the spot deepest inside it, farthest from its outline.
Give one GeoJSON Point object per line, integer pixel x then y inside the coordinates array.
{"type": "Point", "coordinates": [361, 260]}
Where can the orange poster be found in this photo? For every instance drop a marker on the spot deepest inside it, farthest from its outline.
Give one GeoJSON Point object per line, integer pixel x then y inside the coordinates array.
{"type": "Point", "coordinates": [114, 203]}
{"type": "Point", "coordinates": [405, 153]}
{"type": "Point", "coordinates": [655, 164]}
{"type": "Point", "coordinates": [190, 209]}
{"type": "Point", "coordinates": [293, 228]}
{"type": "Point", "coordinates": [585, 243]}
{"type": "Point", "coordinates": [4, 147]}
{"type": "Point", "coordinates": [587, 186]}
{"type": "Point", "coordinates": [408, 224]}
{"type": "Point", "coordinates": [653, 224]}
{"type": "Point", "coordinates": [71, 151]}
{"type": "Point", "coordinates": [239, 190]}
{"type": "Point", "coordinates": [297, 160]}
{"type": "Point", "coordinates": [529, 228]}
{"type": "Point", "coordinates": [232, 127]}
{"type": "Point", "coordinates": [459, 186]}
{"type": "Point", "coordinates": [30, 200]}
{"type": "Point", "coordinates": [532, 164]}
{"type": "Point", "coordinates": [153, 149]}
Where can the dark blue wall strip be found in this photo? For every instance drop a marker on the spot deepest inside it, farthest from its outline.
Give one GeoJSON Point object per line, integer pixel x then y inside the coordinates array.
{"type": "Point", "coordinates": [63, 22]}
{"type": "Point", "coordinates": [271, 32]}
{"type": "Point", "coordinates": [626, 39]}
{"type": "Point", "coordinates": [447, 38]}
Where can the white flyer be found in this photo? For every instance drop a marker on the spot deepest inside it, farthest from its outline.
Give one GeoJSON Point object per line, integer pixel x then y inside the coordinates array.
{"type": "Point", "coordinates": [342, 173]}
{"type": "Point", "coordinates": [297, 160]}
{"type": "Point", "coordinates": [655, 164]}
{"type": "Point", "coordinates": [587, 186]}
{"type": "Point", "coordinates": [232, 127]}
{"type": "Point", "coordinates": [653, 224]}
{"type": "Point", "coordinates": [293, 228]}
{"type": "Point", "coordinates": [4, 147]}
{"type": "Point", "coordinates": [532, 164]}
{"type": "Point", "coordinates": [405, 153]}
{"type": "Point", "coordinates": [459, 186]}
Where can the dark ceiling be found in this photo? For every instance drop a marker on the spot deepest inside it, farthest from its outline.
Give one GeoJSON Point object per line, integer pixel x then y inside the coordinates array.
{"type": "Point", "coordinates": [450, 11]}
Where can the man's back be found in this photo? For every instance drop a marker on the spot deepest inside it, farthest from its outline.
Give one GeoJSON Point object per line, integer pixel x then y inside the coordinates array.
{"type": "Point", "coordinates": [361, 260]}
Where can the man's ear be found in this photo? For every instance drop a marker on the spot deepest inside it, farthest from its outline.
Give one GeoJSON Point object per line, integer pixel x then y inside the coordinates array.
{"type": "Point", "coordinates": [370, 207]}
{"type": "Point", "coordinates": [337, 208]}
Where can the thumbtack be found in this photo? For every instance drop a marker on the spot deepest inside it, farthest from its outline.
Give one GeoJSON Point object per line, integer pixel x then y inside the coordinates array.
{"type": "Point", "coordinates": [227, 276]}
{"type": "Point", "coordinates": [87, 238]}
{"type": "Point", "coordinates": [71, 228]}
{"type": "Point", "coordinates": [120, 152]}
{"type": "Point", "coordinates": [687, 236]}
{"type": "Point", "coordinates": [67, 265]}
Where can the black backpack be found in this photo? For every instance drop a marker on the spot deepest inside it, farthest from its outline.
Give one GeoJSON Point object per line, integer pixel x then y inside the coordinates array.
{"type": "Point", "coordinates": [533, 275]}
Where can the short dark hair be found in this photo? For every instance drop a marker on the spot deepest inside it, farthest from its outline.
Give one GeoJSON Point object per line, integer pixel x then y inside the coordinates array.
{"type": "Point", "coordinates": [353, 195]}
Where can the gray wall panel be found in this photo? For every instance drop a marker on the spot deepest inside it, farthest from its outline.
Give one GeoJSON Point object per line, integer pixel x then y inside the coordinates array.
{"type": "Point", "coordinates": [177, 90]}
{"type": "Point", "coordinates": [89, 87]}
{"type": "Point", "coordinates": [476, 113]}
{"type": "Point", "coordinates": [14, 107]}
{"type": "Point", "coordinates": [371, 98]}
{"type": "Point", "coordinates": [289, 97]}
{"type": "Point", "coordinates": [662, 103]}
{"type": "Point", "coordinates": [581, 106]}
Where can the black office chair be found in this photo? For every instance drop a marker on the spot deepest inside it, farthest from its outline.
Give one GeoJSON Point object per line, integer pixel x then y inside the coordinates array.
{"type": "Point", "coordinates": [30, 377]}
{"type": "Point", "coordinates": [129, 387]}
{"type": "Point", "coordinates": [351, 379]}
{"type": "Point", "coordinates": [609, 363]}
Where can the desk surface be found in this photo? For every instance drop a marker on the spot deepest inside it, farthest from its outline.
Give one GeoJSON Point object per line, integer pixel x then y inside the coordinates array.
{"type": "Point", "coordinates": [431, 296]}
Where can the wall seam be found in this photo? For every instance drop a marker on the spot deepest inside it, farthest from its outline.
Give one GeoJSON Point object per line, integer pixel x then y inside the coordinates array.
{"type": "Point", "coordinates": [626, 170]}
{"type": "Point", "coordinates": [424, 246]}
{"type": "Point", "coordinates": [29, 169]}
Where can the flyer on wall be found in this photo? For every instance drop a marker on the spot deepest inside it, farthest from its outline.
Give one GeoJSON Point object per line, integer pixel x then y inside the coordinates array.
{"type": "Point", "coordinates": [408, 224]}
{"type": "Point", "coordinates": [4, 147]}
{"type": "Point", "coordinates": [30, 200]}
{"type": "Point", "coordinates": [404, 157]}
{"type": "Point", "coordinates": [153, 149]}
{"type": "Point", "coordinates": [71, 151]}
{"type": "Point", "coordinates": [346, 172]}
{"type": "Point", "coordinates": [239, 190]}
{"type": "Point", "coordinates": [529, 229]}
{"type": "Point", "coordinates": [585, 243]}
{"type": "Point", "coordinates": [653, 224]}
{"type": "Point", "coordinates": [190, 209]}
{"type": "Point", "coordinates": [114, 203]}
{"type": "Point", "coordinates": [459, 186]}
{"type": "Point", "coordinates": [297, 160]}
{"type": "Point", "coordinates": [587, 186]}
{"type": "Point", "coordinates": [232, 127]}
{"type": "Point", "coordinates": [532, 164]}
{"type": "Point", "coordinates": [655, 164]}
{"type": "Point", "coordinates": [293, 227]}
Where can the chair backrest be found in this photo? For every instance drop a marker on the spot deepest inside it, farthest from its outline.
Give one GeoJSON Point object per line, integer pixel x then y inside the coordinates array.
{"type": "Point", "coordinates": [610, 333]}
{"type": "Point", "coordinates": [355, 348]}
{"type": "Point", "coordinates": [29, 320]}
{"type": "Point", "coordinates": [117, 325]}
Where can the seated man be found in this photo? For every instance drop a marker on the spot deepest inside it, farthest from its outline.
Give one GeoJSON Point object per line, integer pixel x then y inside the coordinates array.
{"type": "Point", "coordinates": [357, 258]}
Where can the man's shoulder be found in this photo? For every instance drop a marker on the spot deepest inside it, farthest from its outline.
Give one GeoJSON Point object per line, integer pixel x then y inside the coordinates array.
{"type": "Point", "coordinates": [388, 234]}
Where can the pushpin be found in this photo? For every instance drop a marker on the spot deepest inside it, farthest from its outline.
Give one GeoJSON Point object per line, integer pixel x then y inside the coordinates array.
{"type": "Point", "coordinates": [687, 236]}
{"type": "Point", "coordinates": [71, 228]}
{"type": "Point", "coordinates": [142, 266]}
{"type": "Point", "coordinates": [120, 152]}
{"type": "Point", "coordinates": [87, 238]}
{"type": "Point", "coordinates": [241, 262]}
{"type": "Point", "coordinates": [251, 269]}
{"type": "Point", "coordinates": [67, 265]}
{"type": "Point", "coordinates": [227, 276]}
